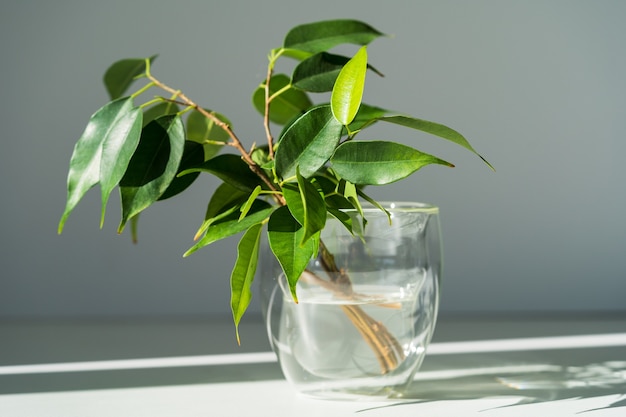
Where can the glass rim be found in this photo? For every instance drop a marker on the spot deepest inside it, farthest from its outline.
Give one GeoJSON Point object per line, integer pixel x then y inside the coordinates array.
{"type": "Point", "coordinates": [400, 206]}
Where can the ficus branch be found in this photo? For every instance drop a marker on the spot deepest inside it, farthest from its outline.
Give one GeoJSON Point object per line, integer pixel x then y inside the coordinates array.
{"type": "Point", "coordinates": [279, 92]}
{"type": "Point", "coordinates": [266, 113]}
{"type": "Point", "coordinates": [143, 89]}
{"type": "Point", "coordinates": [273, 57]}
{"type": "Point", "coordinates": [235, 141]}
{"type": "Point", "coordinates": [109, 157]}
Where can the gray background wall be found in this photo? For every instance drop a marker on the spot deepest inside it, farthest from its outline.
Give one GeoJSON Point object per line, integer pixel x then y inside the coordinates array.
{"type": "Point", "coordinates": [539, 87]}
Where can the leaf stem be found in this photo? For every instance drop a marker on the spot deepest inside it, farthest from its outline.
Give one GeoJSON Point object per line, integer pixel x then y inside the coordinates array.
{"type": "Point", "coordinates": [143, 89]}
{"type": "Point", "coordinates": [273, 57]}
{"type": "Point", "coordinates": [235, 142]}
{"type": "Point", "coordinates": [279, 92]}
{"type": "Point", "coordinates": [151, 102]}
{"type": "Point", "coordinates": [266, 113]}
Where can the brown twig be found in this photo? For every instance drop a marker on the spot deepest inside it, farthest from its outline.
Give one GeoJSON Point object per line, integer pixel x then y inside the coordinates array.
{"type": "Point", "coordinates": [266, 113]}
{"type": "Point", "coordinates": [234, 140]}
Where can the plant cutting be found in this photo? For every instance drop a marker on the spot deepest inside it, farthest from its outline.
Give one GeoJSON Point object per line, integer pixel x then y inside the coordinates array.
{"type": "Point", "coordinates": [292, 189]}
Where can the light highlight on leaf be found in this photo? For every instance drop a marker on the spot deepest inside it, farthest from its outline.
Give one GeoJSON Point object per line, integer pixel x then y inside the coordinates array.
{"type": "Point", "coordinates": [348, 90]}
{"type": "Point", "coordinates": [102, 153]}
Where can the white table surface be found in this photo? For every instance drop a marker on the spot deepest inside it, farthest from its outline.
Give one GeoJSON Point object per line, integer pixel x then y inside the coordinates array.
{"type": "Point", "coordinates": [486, 366]}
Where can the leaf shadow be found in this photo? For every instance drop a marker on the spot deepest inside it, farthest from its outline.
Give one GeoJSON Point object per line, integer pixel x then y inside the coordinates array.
{"type": "Point", "coordinates": [469, 377]}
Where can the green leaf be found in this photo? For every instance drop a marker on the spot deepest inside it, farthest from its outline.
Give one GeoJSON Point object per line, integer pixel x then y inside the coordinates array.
{"type": "Point", "coordinates": [374, 203]}
{"type": "Point", "coordinates": [119, 76]}
{"type": "Point", "coordinates": [117, 124]}
{"type": "Point", "coordinates": [379, 162]}
{"type": "Point", "coordinates": [205, 131]}
{"type": "Point", "coordinates": [284, 107]}
{"type": "Point", "coordinates": [308, 143]}
{"type": "Point", "coordinates": [318, 73]}
{"type": "Point", "coordinates": [248, 204]}
{"type": "Point", "coordinates": [243, 273]}
{"type": "Point", "coordinates": [285, 235]}
{"type": "Point", "coordinates": [224, 197]}
{"type": "Point", "coordinates": [306, 205]}
{"type": "Point", "coordinates": [291, 193]}
{"type": "Point", "coordinates": [326, 183]}
{"type": "Point", "coordinates": [343, 217]}
{"type": "Point", "coordinates": [193, 154]}
{"type": "Point", "coordinates": [338, 201]}
{"type": "Point", "coordinates": [158, 110]}
{"type": "Point", "coordinates": [260, 155]}
{"type": "Point", "coordinates": [153, 166]}
{"type": "Point", "coordinates": [294, 53]}
{"type": "Point", "coordinates": [225, 200]}
{"type": "Point", "coordinates": [322, 36]}
{"type": "Point", "coordinates": [339, 195]}
{"type": "Point", "coordinates": [314, 208]}
{"type": "Point", "coordinates": [348, 90]}
{"type": "Point", "coordinates": [229, 168]}
{"type": "Point", "coordinates": [366, 116]}
{"type": "Point", "coordinates": [350, 192]}
{"type": "Point", "coordinates": [434, 129]}
{"type": "Point", "coordinates": [231, 225]}
{"type": "Point", "coordinates": [121, 141]}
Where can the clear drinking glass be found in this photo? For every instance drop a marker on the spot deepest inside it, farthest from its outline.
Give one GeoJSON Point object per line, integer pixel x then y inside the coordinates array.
{"type": "Point", "coordinates": [362, 326]}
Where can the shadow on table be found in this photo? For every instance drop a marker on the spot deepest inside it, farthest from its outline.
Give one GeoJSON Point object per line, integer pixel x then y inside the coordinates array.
{"type": "Point", "coordinates": [530, 377]}
{"type": "Point", "coordinates": [560, 375]}
{"type": "Point", "coordinates": [129, 378]}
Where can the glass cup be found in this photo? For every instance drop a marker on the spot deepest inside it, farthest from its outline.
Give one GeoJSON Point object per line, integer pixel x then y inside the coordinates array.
{"type": "Point", "coordinates": [367, 305]}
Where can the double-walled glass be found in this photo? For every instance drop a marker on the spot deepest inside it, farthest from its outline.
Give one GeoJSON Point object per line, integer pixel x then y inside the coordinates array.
{"type": "Point", "coordinates": [366, 307]}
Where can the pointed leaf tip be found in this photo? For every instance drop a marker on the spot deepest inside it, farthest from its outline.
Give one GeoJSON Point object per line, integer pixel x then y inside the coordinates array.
{"type": "Point", "coordinates": [102, 152]}
{"type": "Point", "coordinates": [379, 162]}
{"type": "Point", "coordinates": [243, 273]}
